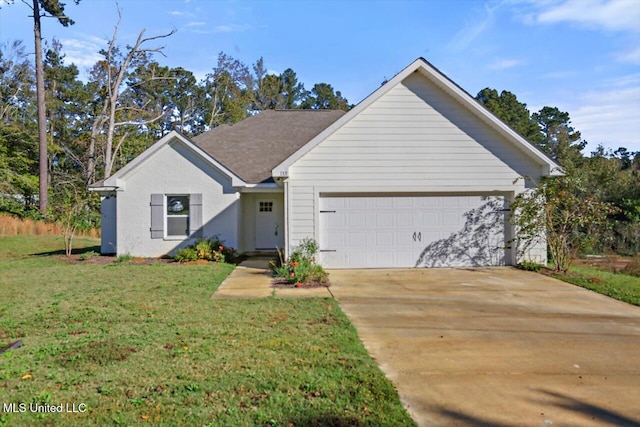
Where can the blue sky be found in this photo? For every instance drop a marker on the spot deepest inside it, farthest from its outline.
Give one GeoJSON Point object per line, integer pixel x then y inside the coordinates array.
{"type": "Point", "coordinates": [582, 56]}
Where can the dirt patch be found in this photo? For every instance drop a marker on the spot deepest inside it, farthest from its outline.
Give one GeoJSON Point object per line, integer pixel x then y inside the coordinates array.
{"type": "Point", "coordinates": [110, 259]}
{"type": "Point", "coordinates": [605, 263]}
{"type": "Point", "coordinates": [99, 353]}
{"type": "Point", "coordinates": [280, 283]}
{"type": "Point", "coordinates": [197, 262]}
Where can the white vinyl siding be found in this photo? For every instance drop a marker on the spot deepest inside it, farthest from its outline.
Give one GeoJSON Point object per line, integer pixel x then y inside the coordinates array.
{"type": "Point", "coordinates": [413, 139]}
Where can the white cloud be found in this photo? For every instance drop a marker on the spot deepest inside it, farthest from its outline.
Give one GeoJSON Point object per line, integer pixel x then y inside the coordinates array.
{"type": "Point", "coordinates": [624, 81]}
{"type": "Point", "coordinates": [472, 30]}
{"type": "Point", "coordinates": [558, 75]}
{"type": "Point", "coordinates": [503, 64]}
{"type": "Point", "coordinates": [83, 53]}
{"type": "Point", "coordinates": [630, 56]}
{"type": "Point", "coordinates": [231, 28]}
{"type": "Point", "coordinates": [611, 114]}
{"type": "Point", "coordinates": [612, 15]}
{"type": "Point", "coordinates": [181, 13]}
{"type": "Point", "coordinates": [196, 24]}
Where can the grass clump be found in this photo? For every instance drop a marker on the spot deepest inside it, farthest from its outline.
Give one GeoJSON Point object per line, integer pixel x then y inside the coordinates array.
{"type": "Point", "coordinates": [144, 343]}
{"type": "Point", "coordinates": [124, 258]}
{"type": "Point", "coordinates": [88, 255]}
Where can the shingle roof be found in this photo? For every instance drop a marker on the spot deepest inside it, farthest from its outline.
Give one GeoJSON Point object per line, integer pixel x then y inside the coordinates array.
{"type": "Point", "coordinates": [253, 147]}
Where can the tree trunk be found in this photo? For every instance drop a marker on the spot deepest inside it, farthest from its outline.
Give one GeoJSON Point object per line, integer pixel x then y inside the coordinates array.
{"type": "Point", "coordinates": [42, 121]}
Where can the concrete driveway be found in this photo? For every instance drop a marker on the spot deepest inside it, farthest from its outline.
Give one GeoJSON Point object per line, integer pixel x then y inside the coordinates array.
{"type": "Point", "coordinates": [497, 346]}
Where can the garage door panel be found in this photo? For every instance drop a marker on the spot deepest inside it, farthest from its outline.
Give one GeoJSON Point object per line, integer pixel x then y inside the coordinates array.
{"type": "Point", "coordinates": [430, 218]}
{"type": "Point", "coordinates": [405, 202]}
{"type": "Point", "coordinates": [335, 239]}
{"type": "Point", "coordinates": [336, 221]}
{"type": "Point", "coordinates": [404, 219]}
{"type": "Point", "coordinates": [357, 203]}
{"type": "Point", "coordinates": [451, 218]}
{"type": "Point", "coordinates": [384, 219]}
{"type": "Point", "coordinates": [357, 240]}
{"type": "Point", "coordinates": [411, 231]}
{"type": "Point", "coordinates": [356, 220]}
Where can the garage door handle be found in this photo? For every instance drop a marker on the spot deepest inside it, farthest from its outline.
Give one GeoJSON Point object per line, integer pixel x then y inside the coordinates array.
{"type": "Point", "coordinates": [414, 236]}
{"type": "Point", "coordinates": [420, 236]}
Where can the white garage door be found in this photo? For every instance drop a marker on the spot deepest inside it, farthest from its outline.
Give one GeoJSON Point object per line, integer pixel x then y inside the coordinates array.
{"type": "Point", "coordinates": [412, 231]}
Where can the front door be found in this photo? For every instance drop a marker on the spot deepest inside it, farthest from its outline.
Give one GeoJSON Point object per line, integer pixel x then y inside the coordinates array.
{"type": "Point", "coordinates": [267, 227]}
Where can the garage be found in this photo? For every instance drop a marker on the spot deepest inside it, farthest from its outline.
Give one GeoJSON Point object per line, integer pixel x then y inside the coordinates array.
{"type": "Point", "coordinates": [398, 231]}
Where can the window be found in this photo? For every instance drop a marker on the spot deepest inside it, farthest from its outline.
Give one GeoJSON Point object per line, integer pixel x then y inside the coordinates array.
{"type": "Point", "coordinates": [265, 207]}
{"type": "Point", "coordinates": [177, 214]}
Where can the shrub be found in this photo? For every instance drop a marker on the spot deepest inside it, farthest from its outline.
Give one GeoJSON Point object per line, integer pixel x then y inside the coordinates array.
{"type": "Point", "coordinates": [301, 266]}
{"type": "Point", "coordinates": [529, 266]}
{"type": "Point", "coordinates": [186, 254]}
{"type": "Point", "coordinates": [203, 250]}
{"type": "Point", "coordinates": [88, 255]}
{"type": "Point", "coordinates": [210, 250]}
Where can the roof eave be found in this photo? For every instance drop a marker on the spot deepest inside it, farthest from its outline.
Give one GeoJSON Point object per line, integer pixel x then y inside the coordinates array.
{"type": "Point", "coordinates": [103, 189]}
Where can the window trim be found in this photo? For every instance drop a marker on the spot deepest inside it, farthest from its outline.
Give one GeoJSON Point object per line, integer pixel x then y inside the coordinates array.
{"type": "Point", "coordinates": [166, 216]}
{"type": "Point", "coordinates": [265, 206]}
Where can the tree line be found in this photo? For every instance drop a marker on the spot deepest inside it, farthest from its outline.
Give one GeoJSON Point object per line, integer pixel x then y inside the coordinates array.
{"type": "Point", "coordinates": [129, 100]}
{"type": "Point", "coordinates": [595, 206]}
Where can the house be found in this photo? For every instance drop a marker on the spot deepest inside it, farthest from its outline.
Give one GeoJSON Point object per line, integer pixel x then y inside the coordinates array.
{"type": "Point", "coordinates": [417, 174]}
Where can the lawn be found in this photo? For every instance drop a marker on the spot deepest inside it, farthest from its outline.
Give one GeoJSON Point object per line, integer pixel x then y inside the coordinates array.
{"type": "Point", "coordinates": [622, 287]}
{"type": "Point", "coordinates": [146, 345]}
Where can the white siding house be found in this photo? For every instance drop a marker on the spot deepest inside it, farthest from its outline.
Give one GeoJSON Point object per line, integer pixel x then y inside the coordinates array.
{"type": "Point", "coordinates": [417, 174]}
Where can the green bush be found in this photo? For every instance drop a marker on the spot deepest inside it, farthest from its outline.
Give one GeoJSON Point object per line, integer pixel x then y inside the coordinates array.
{"type": "Point", "coordinates": [530, 266]}
{"type": "Point", "coordinates": [207, 249]}
{"type": "Point", "coordinates": [88, 255]}
{"type": "Point", "coordinates": [186, 254]}
{"type": "Point", "coordinates": [301, 266]}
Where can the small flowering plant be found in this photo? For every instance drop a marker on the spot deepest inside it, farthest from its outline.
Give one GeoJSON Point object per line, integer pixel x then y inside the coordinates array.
{"type": "Point", "coordinates": [210, 250]}
{"type": "Point", "coordinates": [301, 267]}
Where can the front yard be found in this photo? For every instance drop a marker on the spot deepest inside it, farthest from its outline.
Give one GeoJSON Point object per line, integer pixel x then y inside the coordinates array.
{"type": "Point", "coordinates": [145, 344]}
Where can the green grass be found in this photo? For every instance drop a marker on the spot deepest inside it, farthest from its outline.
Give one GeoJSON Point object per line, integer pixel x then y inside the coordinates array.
{"type": "Point", "coordinates": [146, 345]}
{"type": "Point", "coordinates": [615, 285]}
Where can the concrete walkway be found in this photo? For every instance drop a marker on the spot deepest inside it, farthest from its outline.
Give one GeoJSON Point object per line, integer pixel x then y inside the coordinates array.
{"type": "Point", "coordinates": [252, 279]}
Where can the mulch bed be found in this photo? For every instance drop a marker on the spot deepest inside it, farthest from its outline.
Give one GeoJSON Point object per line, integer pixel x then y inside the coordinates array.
{"type": "Point", "coordinates": [107, 259]}
{"type": "Point", "coordinates": [603, 263]}
{"type": "Point", "coordinates": [280, 283]}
